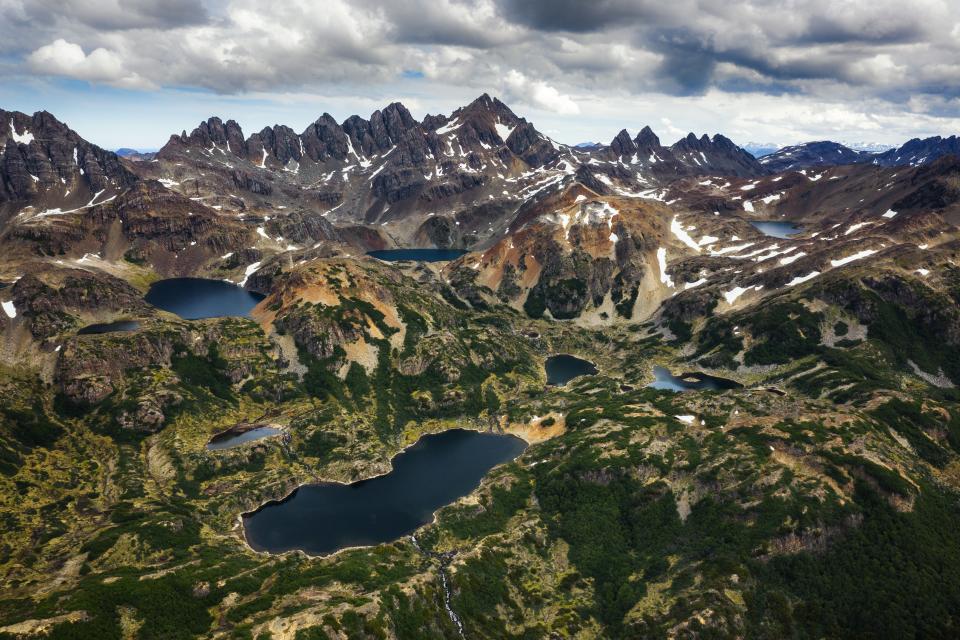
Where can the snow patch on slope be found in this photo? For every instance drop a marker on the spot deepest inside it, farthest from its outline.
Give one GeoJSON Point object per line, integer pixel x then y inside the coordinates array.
{"type": "Point", "coordinates": [677, 229]}
{"type": "Point", "coordinates": [857, 256]}
{"type": "Point", "coordinates": [662, 262]}
{"type": "Point", "coordinates": [25, 138]}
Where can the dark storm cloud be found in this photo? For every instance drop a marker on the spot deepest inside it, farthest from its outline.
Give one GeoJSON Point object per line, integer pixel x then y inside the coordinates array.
{"type": "Point", "coordinates": [689, 61]}
{"type": "Point", "coordinates": [456, 23]}
{"type": "Point", "coordinates": [783, 40]}
{"type": "Point", "coordinates": [576, 16]}
{"type": "Point", "coordinates": [118, 14]}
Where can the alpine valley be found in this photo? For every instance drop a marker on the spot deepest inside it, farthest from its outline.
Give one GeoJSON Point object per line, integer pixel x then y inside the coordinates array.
{"type": "Point", "coordinates": [757, 434]}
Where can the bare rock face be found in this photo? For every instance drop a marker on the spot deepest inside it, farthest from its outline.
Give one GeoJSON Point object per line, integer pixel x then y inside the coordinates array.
{"type": "Point", "coordinates": [88, 390]}
{"type": "Point", "coordinates": [321, 334]}
{"type": "Point", "coordinates": [149, 415]}
{"type": "Point", "coordinates": [212, 132]}
{"type": "Point", "coordinates": [279, 142]}
{"type": "Point", "coordinates": [623, 145]}
{"type": "Point", "coordinates": [41, 158]}
{"type": "Point", "coordinates": [647, 141]}
{"type": "Point", "coordinates": [304, 227]}
{"type": "Point", "coordinates": [324, 140]}
{"type": "Point", "coordinates": [52, 299]}
{"type": "Point", "coordinates": [720, 154]}
{"type": "Point", "coordinates": [441, 232]}
{"type": "Point", "coordinates": [143, 221]}
{"type": "Point", "coordinates": [526, 142]}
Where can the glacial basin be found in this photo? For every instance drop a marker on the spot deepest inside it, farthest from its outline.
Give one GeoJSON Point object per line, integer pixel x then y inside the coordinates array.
{"type": "Point", "coordinates": [438, 469]}
{"type": "Point", "coordinates": [694, 381]}
{"type": "Point", "coordinates": [231, 439]}
{"type": "Point", "coordinates": [195, 298]}
{"type": "Point", "coordinates": [109, 327]}
{"type": "Point", "coordinates": [563, 368]}
{"type": "Point", "coordinates": [417, 255]}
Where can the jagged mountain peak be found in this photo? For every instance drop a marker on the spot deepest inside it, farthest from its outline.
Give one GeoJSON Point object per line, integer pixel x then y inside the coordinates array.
{"type": "Point", "coordinates": [647, 139]}
{"type": "Point", "coordinates": [210, 132]}
{"type": "Point", "coordinates": [487, 106]}
{"type": "Point", "coordinates": [622, 144]}
{"type": "Point", "coordinates": [43, 162]}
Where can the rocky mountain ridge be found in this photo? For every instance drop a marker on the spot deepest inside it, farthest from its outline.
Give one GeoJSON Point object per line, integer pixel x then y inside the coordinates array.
{"type": "Point", "coordinates": [47, 166]}
{"type": "Point", "coordinates": [811, 154]}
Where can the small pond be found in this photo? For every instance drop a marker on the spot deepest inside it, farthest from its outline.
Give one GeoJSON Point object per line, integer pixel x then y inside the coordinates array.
{"type": "Point", "coordinates": [563, 368]}
{"type": "Point", "coordinates": [777, 229]}
{"type": "Point", "coordinates": [323, 518]}
{"type": "Point", "coordinates": [417, 255]}
{"type": "Point", "coordinates": [195, 298]}
{"type": "Point", "coordinates": [690, 381]}
{"type": "Point", "coordinates": [231, 439]}
{"type": "Point", "coordinates": [109, 327]}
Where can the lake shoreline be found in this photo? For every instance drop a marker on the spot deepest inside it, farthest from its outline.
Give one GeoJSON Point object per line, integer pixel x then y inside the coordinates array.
{"type": "Point", "coordinates": [290, 494]}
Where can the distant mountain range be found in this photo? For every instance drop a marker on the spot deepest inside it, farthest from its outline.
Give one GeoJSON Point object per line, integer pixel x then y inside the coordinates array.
{"type": "Point", "coordinates": [136, 155]}
{"type": "Point", "coordinates": [826, 153]}
{"type": "Point", "coordinates": [760, 149]}
{"type": "Point", "coordinates": [457, 180]}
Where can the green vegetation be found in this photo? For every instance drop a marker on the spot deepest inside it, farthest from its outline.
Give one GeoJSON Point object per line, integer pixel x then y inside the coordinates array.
{"type": "Point", "coordinates": [207, 372]}
{"type": "Point", "coordinates": [829, 511]}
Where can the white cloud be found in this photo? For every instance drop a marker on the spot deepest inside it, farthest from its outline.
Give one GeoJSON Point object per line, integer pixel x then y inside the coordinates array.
{"type": "Point", "coordinates": [62, 58]}
{"type": "Point", "coordinates": [538, 94]}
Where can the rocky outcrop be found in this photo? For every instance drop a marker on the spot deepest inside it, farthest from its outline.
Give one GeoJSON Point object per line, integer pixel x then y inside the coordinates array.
{"type": "Point", "coordinates": [528, 143]}
{"type": "Point", "coordinates": [145, 223]}
{"type": "Point", "coordinates": [303, 228]}
{"type": "Point", "coordinates": [42, 159]}
{"type": "Point", "coordinates": [321, 334]}
{"type": "Point", "coordinates": [210, 134]}
{"type": "Point", "coordinates": [325, 140]}
{"type": "Point", "coordinates": [716, 156]}
{"type": "Point", "coordinates": [278, 142]}
{"type": "Point", "coordinates": [51, 300]}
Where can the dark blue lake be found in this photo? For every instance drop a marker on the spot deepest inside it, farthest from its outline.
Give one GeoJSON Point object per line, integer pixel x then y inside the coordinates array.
{"type": "Point", "coordinates": [194, 298]}
{"type": "Point", "coordinates": [690, 381]}
{"type": "Point", "coordinates": [418, 255]}
{"type": "Point", "coordinates": [110, 327]}
{"type": "Point", "coordinates": [322, 518]}
{"type": "Point", "coordinates": [775, 229]}
{"type": "Point", "coordinates": [563, 368]}
{"type": "Point", "coordinates": [230, 440]}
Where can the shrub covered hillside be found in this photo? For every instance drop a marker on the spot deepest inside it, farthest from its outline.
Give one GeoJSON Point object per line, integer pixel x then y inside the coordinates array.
{"type": "Point", "coordinates": [819, 500]}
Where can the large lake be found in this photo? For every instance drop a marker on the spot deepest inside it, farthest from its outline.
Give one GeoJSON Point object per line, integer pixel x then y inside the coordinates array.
{"type": "Point", "coordinates": [563, 368]}
{"type": "Point", "coordinates": [417, 255]}
{"type": "Point", "coordinates": [323, 518]}
{"type": "Point", "coordinates": [776, 229]}
{"type": "Point", "coordinates": [194, 298]}
{"type": "Point", "coordinates": [690, 381]}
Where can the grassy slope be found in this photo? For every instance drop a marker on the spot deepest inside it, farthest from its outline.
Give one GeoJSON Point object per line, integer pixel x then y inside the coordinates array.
{"type": "Point", "coordinates": [825, 512]}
